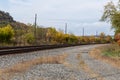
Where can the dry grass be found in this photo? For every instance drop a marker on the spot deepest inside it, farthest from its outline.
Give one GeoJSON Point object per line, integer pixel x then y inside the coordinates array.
{"type": "Point", "coordinates": [78, 56]}
{"type": "Point", "coordinates": [68, 65]}
{"type": "Point", "coordinates": [97, 54]}
{"type": "Point", "coordinates": [34, 78]}
{"type": "Point", "coordinates": [26, 65]}
{"type": "Point", "coordinates": [86, 68]}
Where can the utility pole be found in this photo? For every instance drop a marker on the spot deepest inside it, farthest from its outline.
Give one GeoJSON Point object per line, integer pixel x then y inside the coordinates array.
{"type": "Point", "coordinates": [65, 28]}
{"type": "Point", "coordinates": [83, 32]}
{"type": "Point", "coordinates": [35, 30]}
{"type": "Point", "coordinates": [96, 33]}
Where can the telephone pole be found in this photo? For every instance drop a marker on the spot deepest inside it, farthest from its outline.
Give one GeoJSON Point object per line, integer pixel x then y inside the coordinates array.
{"type": "Point", "coordinates": [35, 30]}
{"type": "Point", "coordinates": [65, 28]}
{"type": "Point", "coordinates": [96, 33]}
{"type": "Point", "coordinates": [83, 32]}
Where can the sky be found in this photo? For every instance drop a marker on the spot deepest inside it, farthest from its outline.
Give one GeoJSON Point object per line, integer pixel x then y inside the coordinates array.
{"type": "Point", "coordinates": [78, 14]}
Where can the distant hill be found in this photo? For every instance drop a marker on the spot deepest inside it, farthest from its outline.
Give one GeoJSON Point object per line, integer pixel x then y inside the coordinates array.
{"type": "Point", "coordinates": [6, 18]}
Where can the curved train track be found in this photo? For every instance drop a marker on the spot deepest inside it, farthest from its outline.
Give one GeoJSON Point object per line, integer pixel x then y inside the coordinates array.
{"type": "Point", "coordinates": [23, 49]}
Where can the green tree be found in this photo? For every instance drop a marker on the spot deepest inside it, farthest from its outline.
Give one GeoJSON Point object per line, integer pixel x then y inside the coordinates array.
{"type": "Point", "coordinates": [112, 14]}
{"type": "Point", "coordinates": [115, 20]}
{"type": "Point", "coordinates": [109, 11]}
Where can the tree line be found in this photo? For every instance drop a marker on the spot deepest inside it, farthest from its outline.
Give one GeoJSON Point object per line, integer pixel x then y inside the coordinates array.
{"type": "Point", "coordinates": [13, 33]}
{"type": "Point", "coordinates": [26, 36]}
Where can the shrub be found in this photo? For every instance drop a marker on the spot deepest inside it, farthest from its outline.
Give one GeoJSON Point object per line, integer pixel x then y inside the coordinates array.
{"type": "Point", "coordinates": [6, 34]}
{"type": "Point", "coordinates": [117, 37]}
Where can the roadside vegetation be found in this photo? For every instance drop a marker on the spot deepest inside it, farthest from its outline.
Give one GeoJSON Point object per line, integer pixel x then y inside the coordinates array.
{"type": "Point", "coordinates": [112, 15]}
{"type": "Point", "coordinates": [18, 37]}
{"type": "Point", "coordinates": [13, 33]}
{"type": "Point", "coordinates": [110, 53]}
{"type": "Point", "coordinates": [112, 50]}
{"type": "Point", "coordinates": [6, 34]}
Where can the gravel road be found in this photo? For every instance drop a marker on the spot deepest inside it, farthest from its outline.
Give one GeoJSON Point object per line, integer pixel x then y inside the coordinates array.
{"type": "Point", "coordinates": [79, 66]}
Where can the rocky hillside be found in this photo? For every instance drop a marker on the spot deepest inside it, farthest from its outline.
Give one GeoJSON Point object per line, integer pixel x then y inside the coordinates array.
{"type": "Point", "coordinates": [6, 18]}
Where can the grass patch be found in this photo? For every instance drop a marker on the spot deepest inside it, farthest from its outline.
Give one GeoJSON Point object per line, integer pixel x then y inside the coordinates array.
{"type": "Point", "coordinates": [112, 50]}
{"type": "Point", "coordinates": [86, 68]}
{"type": "Point", "coordinates": [107, 53]}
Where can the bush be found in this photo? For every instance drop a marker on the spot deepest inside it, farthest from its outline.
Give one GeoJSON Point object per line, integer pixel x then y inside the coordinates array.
{"type": "Point", "coordinates": [118, 42]}
{"type": "Point", "coordinates": [112, 50]}
{"type": "Point", "coordinates": [6, 34]}
{"type": "Point", "coordinates": [29, 37]}
{"type": "Point", "coordinates": [117, 37]}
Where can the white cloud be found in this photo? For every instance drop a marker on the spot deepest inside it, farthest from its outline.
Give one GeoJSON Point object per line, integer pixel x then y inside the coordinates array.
{"type": "Point", "coordinates": [91, 28]}
{"type": "Point", "coordinates": [77, 13]}
{"type": "Point", "coordinates": [20, 2]}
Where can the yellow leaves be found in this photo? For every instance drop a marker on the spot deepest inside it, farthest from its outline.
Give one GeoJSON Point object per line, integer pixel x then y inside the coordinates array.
{"type": "Point", "coordinates": [29, 37]}
{"type": "Point", "coordinates": [6, 33]}
{"type": "Point", "coordinates": [92, 38]}
{"type": "Point", "coordinates": [51, 32]}
{"type": "Point", "coordinates": [59, 37]}
{"type": "Point", "coordinates": [8, 30]}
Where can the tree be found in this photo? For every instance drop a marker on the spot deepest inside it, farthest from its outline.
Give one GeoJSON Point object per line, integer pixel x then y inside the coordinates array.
{"type": "Point", "coordinates": [29, 37]}
{"type": "Point", "coordinates": [51, 32]}
{"type": "Point", "coordinates": [109, 11]}
{"type": "Point", "coordinates": [6, 33]}
{"type": "Point", "coordinates": [73, 39]}
{"type": "Point", "coordinates": [92, 39]}
{"type": "Point", "coordinates": [59, 37]}
{"type": "Point", "coordinates": [86, 39]}
{"type": "Point", "coordinates": [115, 20]}
{"type": "Point", "coordinates": [112, 14]}
{"type": "Point", "coordinates": [108, 38]}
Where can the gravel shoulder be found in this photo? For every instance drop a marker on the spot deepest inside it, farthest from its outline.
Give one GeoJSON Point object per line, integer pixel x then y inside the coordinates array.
{"type": "Point", "coordinates": [77, 66]}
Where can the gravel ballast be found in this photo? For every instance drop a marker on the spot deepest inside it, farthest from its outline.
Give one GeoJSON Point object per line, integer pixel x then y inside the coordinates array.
{"type": "Point", "coordinates": [61, 71]}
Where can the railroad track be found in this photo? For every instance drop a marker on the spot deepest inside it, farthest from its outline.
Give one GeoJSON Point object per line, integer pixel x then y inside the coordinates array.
{"type": "Point", "coordinates": [23, 49]}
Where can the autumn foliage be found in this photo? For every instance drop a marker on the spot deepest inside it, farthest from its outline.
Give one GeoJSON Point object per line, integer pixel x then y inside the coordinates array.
{"type": "Point", "coordinates": [43, 36]}
{"type": "Point", "coordinates": [117, 38]}
{"type": "Point", "coordinates": [6, 34]}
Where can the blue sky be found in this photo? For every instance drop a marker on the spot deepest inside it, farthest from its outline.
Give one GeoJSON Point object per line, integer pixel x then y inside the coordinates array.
{"type": "Point", "coordinates": [77, 13]}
